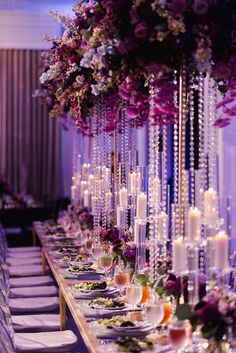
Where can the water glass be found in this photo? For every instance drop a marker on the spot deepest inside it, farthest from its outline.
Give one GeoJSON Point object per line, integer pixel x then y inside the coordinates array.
{"type": "Point", "coordinates": [178, 333]}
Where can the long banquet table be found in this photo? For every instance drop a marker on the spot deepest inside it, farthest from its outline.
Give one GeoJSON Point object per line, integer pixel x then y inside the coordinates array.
{"type": "Point", "coordinates": [84, 316]}
{"type": "Point", "coordinates": [66, 297]}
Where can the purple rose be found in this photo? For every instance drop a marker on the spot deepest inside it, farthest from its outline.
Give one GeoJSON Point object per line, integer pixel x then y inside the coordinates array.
{"type": "Point", "coordinates": [122, 48]}
{"type": "Point", "coordinates": [132, 112]}
{"type": "Point", "coordinates": [209, 313]}
{"type": "Point", "coordinates": [200, 7]}
{"type": "Point", "coordinates": [178, 6]}
{"type": "Point", "coordinates": [130, 255]}
{"type": "Point", "coordinates": [141, 30]}
{"type": "Point", "coordinates": [123, 93]}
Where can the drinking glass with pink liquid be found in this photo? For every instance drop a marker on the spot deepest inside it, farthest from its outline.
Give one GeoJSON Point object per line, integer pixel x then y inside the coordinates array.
{"type": "Point", "coordinates": [178, 335]}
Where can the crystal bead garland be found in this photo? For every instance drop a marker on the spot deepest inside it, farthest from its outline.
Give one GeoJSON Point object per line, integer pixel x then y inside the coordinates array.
{"type": "Point", "coordinates": [174, 210]}
{"type": "Point", "coordinates": [153, 170]}
{"type": "Point", "coordinates": [191, 144]}
{"type": "Point", "coordinates": [96, 164]}
{"type": "Point", "coordinates": [202, 159]}
{"type": "Point", "coordinates": [212, 140]}
{"type": "Point", "coordinates": [182, 141]}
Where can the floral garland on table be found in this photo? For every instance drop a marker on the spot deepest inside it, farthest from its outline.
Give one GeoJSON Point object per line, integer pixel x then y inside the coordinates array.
{"type": "Point", "coordinates": [115, 47]}
{"type": "Point", "coordinates": [215, 314]}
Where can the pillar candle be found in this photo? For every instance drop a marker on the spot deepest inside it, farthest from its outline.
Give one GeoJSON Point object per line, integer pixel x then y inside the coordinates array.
{"type": "Point", "coordinates": [86, 198]}
{"type": "Point", "coordinates": [91, 182]}
{"type": "Point", "coordinates": [123, 198]}
{"type": "Point", "coordinates": [74, 193]}
{"type": "Point", "coordinates": [138, 182]}
{"type": "Point", "coordinates": [163, 225]}
{"type": "Point", "coordinates": [179, 256]}
{"type": "Point", "coordinates": [133, 182]}
{"type": "Point", "coordinates": [221, 244]}
{"type": "Point", "coordinates": [210, 207]}
{"type": "Point", "coordinates": [142, 206]}
{"type": "Point", "coordinates": [194, 224]}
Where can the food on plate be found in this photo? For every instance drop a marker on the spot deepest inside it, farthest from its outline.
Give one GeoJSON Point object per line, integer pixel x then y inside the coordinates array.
{"type": "Point", "coordinates": [63, 250]}
{"type": "Point", "coordinates": [107, 302]}
{"type": "Point", "coordinates": [76, 258]}
{"type": "Point", "coordinates": [81, 268]}
{"type": "Point", "coordinates": [132, 344]}
{"type": "Point", "coordinates": [116, 321]}
{"type": "Point", "coordinates": [90, 285]}
{"type": "Point", "coordinates": [158, 338]}
{"type": "Point", "coordinates": [135, 316]}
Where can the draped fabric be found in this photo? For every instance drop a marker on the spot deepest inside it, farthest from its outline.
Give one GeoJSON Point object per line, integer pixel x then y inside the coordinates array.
{"type": "Point", "coordinates": [29, 140]}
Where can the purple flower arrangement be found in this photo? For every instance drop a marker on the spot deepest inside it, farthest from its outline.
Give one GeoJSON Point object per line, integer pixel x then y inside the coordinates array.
{"type": "Point", "coordinates": [215, 314]}
{"type": "Point", "coordinates": [104, 53]}
{"type": "Point", "coordinates": [120, 248]}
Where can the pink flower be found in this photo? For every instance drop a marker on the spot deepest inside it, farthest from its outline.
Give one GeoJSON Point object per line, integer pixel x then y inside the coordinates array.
{"type": "Point", "coordinates": [200, 7]}
{"type": "Point", "coordinates": [141, 30]}
{"type": "Point", "coordinates": [178, 6]}
{"type": "Point", "coordinates": [132, 112]}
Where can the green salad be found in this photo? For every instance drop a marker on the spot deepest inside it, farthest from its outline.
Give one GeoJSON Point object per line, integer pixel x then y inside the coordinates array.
{"type": "Point", "coordinates": [107, 302]}
{"type": "Point", "coordinates": [91, 285]}
{"type": "Point", "coordinates": [81, 268]}
{"type": "Point", "coordinates": [116, 321]}
{"type": "Point", "coordinates": [134, 345]}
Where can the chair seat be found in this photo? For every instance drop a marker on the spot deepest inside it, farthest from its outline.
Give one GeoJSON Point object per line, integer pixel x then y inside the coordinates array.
{"type": "Point", "coordinates": [31, 292]}
{"type": "Point", "coordinates": [40, 342]}
{"type": "Point", "coordinates": [12, 261]}
{"type": "Point", "coordinates": [35, 281]}
{"type": "Point", "coordinates": [36, 323]}
{"type": "Point", "coordinates": [24, 249]}
{"type": "Point", "coordinates": [25, 271]}
{"type": "Point", "coordinates": [24, 255]}
{"type": "Point", "coordinates": [33, 305]}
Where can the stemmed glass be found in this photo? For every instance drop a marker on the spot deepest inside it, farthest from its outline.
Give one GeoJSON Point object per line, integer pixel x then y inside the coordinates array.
{"type": "Point", "coordinates": [134, 294]}
{"type": "Point", "coordinates": [96, 250]}
{"type": "Point", "coordinates": [154, 311]}
{"type": "Point", "coordinates": [121, 277]}
{"type": "Point", "coordinates": [88, 245]}
{"type": "Point", "coordinates": [178, 335]}
{"type": "Point", "coordinates": [105, 262]}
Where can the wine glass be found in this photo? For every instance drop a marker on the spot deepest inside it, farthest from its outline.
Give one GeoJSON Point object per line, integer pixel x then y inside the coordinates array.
{"type": "Point", "coordinates": [88, 245]}
{"type": "Point", "coordinates": [154, 312]}
{"type": "Point", "coordinates": [121, 277]}
{"type": "Point", "coordinates": [105, 261]}
{"type": "Point", "coordinates": [96, 250]}
{"type": "Point", "coordinates": [134, 294]}
{"type": "Point", "coordinates": [178, 333]}
{"type": "Point", "coordinates": [167, 310]}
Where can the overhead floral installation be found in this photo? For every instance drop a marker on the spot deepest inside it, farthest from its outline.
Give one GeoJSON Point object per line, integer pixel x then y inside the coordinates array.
{"type": "Point", "coordinates": [113, 49]}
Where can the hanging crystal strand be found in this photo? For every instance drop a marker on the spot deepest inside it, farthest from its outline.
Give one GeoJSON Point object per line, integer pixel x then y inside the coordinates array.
{"type": "Point", "coordinates": [164, 169]}
{"type": "Point", "coordinates": [191, 145]}
{"type": "Point", "coordinates": [123, 146]}
{"type": "Point", "coordinates": [182, 140]}
{"type": "Point", "coordinates": [175, 212]}
{"type": "Point", "coordinates": [212, 140]}
{"type": "Point", "coordinates": [95, 167]}
{"type": "Point", "coordinates": [163, 227]}
{"type": "Point", "coordinates": [202, 158]}
{"type": "Point", "coordinates": [133, 148]}
{"type": "Point", "coordinates": [152, 240]}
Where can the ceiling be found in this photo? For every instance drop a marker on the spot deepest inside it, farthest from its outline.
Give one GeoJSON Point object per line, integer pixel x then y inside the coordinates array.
{"type": "Point", "coordinates": [36, 5]}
